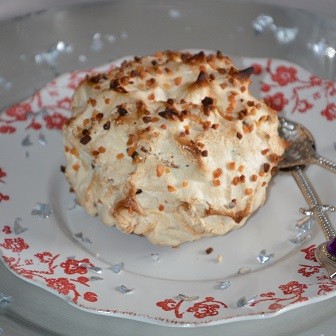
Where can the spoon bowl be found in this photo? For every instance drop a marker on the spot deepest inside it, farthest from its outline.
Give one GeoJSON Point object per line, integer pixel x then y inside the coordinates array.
{"type": "Point", "coordinates": [301, 149]}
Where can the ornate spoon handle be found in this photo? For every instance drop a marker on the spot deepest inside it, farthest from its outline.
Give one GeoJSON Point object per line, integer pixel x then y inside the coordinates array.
{"type": "Point", "coordinates": [314, 203]}
{"type": "Point", "coordinates": [325, 163]}
{"type": "Point", "coordinates": [326, 258]}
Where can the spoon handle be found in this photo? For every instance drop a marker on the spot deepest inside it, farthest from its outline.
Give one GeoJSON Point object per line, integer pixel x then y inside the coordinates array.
{"type": "Point", "coordinates": [325, 163]}
{"type": "Point", "coordinates": [314, 203]}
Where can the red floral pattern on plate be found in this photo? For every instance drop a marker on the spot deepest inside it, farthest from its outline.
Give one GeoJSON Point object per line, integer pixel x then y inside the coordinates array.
{"type": "Point", "coordinates": [208, 307]}
{"type": "Point", "coordinates": [3, 175]}
{"type": "Point", "coordinates": [31, 269]}
{"type": "Point", "coordinates": [286, 88]}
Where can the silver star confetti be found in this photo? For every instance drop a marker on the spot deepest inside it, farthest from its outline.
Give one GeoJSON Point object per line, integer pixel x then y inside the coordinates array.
{"type": "Point", "coordinates": [26, 141]}
{"type": "Point", "coordinates": [110, 38]}
{"type": "Point", "coordinates": [224, 284]}
{"type": "Point", "coordinates": [42, 140]}
{"type": "Point", "coordinates": [94, 269]}
{"type": "Point", "coordinates": [174, 13]}
{"type": "Point", "coordinates": [155, 256]}
{"type": "Point", "coordinates": [263, 257]}
{"type": "Point", "coordinates": [97, 43]}
{"type": "Point", "coordinates": [304, 227]}
{"type": "Point", "coordinates": [42, 210]}
{"type": "Point", "coordinates": [244, 302]}
{"type": "Point", "coordinates": [51, 55]}
{"type": "Point", "coordinates": [82, 58]}
{"type": "Point", "coordinates": [17, 226]}
{"type": "Point", "coordinates": [300, 239]}
{"type": "Point", "coordinates": [80, 236]}
{"type": "Point", "coordinates": [124, 290]}
{"type": "Point", "coordinates": [305, 224]}
{"type": "Point", "coordinates": [322, 48]}
{"type": "Point", "coordinates": [186, 297]}
{"type": "Point", "coordinates": [5, 84]}
{"type": "Point", "coordinates": [5, 299]}
{"type": "Point", "coordinates": [117, 268]}
{"type": "Point", "coordinates": [123, 35]}
{"type": "Point", "coordinates": [244, 270]}
{"type": "Point", "coordinates": [266, 23]}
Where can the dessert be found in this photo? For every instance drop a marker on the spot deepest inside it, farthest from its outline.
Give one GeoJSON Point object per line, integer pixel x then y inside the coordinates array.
{"type": "Point", "coordinates": [171, 146]}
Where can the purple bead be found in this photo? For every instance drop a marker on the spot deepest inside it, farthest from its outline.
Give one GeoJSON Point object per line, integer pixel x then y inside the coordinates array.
{"type": "Point", "coordinates": [331, 246]}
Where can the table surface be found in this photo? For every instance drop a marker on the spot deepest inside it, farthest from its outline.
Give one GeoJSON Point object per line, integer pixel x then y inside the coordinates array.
{"type": "Point", "coordinates": [12, 8]}
{"type": "Point", "coordinates": [319, 318]}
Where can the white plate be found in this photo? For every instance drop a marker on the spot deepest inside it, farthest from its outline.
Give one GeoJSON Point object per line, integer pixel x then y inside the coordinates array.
{"type": "Point", "coordinates": [75, 256]}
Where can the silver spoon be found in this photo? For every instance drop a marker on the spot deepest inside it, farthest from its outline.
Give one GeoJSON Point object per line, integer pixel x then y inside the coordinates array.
{"type": "Point", "coordinates": [326, 252]}
{"type": "Point", "coordinates": [301, 149]}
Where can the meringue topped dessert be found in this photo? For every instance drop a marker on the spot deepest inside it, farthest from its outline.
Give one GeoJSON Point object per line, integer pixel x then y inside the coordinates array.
{"type": "Point", "coordinates": [171, 146]}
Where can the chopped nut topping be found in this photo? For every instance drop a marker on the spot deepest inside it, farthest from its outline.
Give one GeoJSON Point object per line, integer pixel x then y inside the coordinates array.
{"type": "Point", "coordinates": [178, 81]}
{"type": "Point", "coordinates": [93, 102]}
{"type": "Point", "coordinates": [208, 105]}
{"type": "Point", "coordinates": [131, 150]}
{"type": "Point", "coordinates": [231, 165]}
{"type": "Point", "coordinates": [115, 85]}
{"type": "Point", "coordinates": [248, 191]}
{"type": "Point", "coordinates": [204, 153]}
{"type": "Point", "coordinates": [151, 96]}
{"type": "Point", "coordinates": [121, 110]}
{"type": "Point", "coordinates": [159, 170]}
{"type": "Point", "coordinates": [209, 250]}
{"type": "Point", "coordinates": [146, 119]}
{"type": "Point", "coordinates": [85, 139]}
{"type": "Point", "coordinates": [267, 167]}
{"type": "Point", "coordinates": [107, 125]}
{"type": "Point", "coordinates": [274, 170]}
{"type": "Point", "coordinates": [171, 188]}
{"type": "Point", "coordinates": [75, 167]}
{"type": "Point", "coordinates": [101, 149]}
{"type": "Point", "coordinates": [74, 152]}
{"type": "Point", "coordinates": [185, 184]}
{"type": "Point", "coordinates": [168, 113]}
{"type": "Point", "coordinates": [206, 125]}
{"type": "Point", "coordinates": [217, 173]}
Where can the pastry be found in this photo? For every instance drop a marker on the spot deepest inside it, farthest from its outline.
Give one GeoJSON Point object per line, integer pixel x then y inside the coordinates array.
{"type": "Point", "coordinates": [171, 146]}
